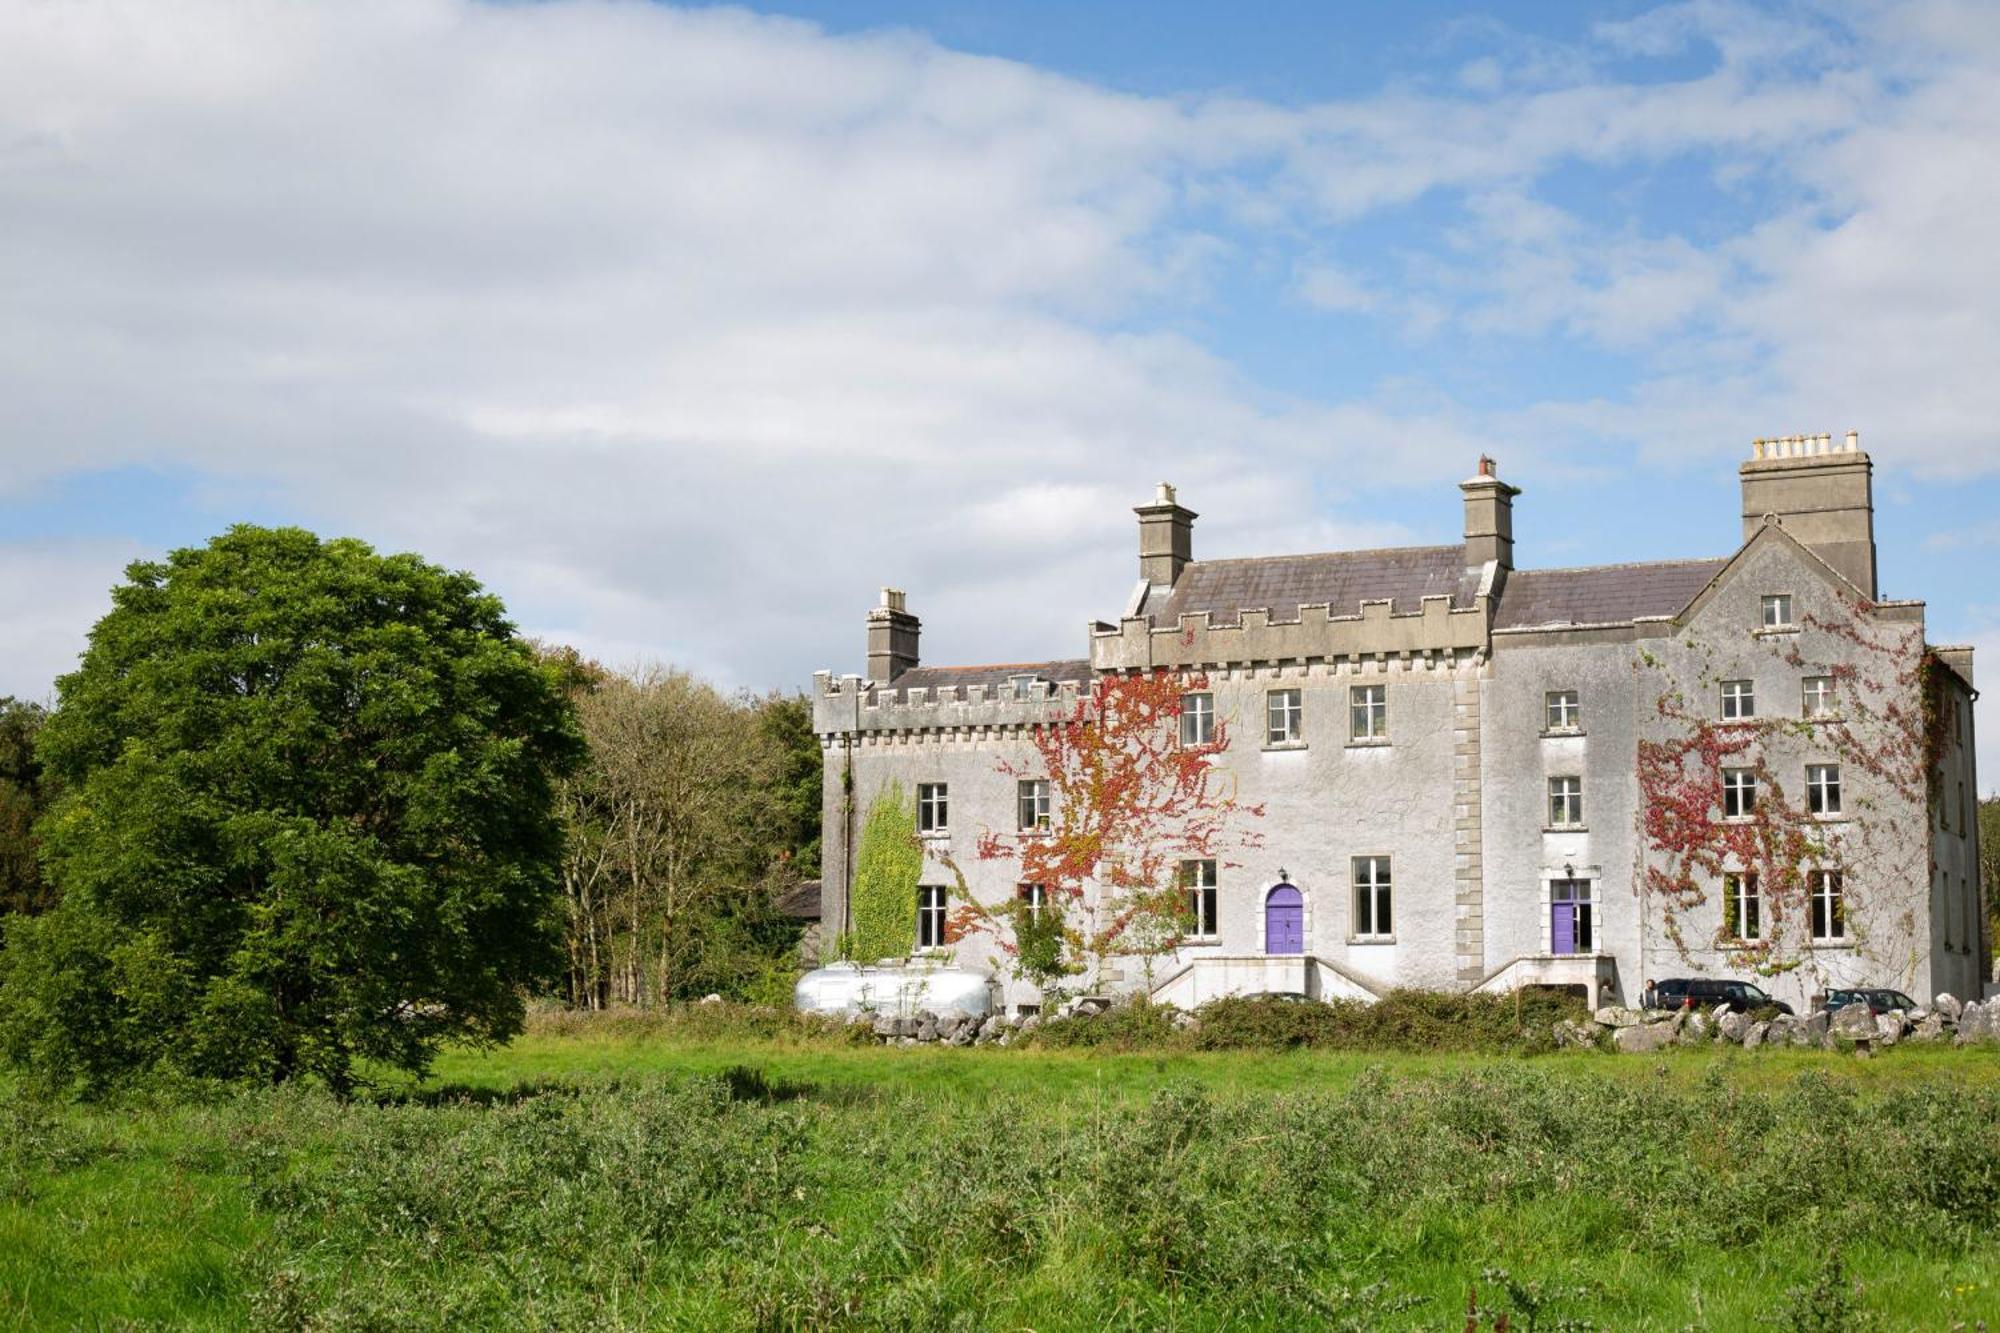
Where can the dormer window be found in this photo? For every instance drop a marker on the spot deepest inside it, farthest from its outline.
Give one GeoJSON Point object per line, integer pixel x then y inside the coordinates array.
{"type": "Point", "coordinates": [1026, 687]}
{"type": "Point", "coordinates": [1778, 610]}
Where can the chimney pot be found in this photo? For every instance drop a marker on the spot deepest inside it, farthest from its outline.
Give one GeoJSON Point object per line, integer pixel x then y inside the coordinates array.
{"type": "Point", "coordinates": [1166, 538]}
{"type": "Point", "coordinates": [1489, 517]}
{"type": "Point", "coordinates": [893, 636]}
{"type": "Point", "coordinates": [1823, 494]}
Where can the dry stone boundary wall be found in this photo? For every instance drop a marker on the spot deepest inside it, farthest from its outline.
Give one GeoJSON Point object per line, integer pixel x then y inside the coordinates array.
{"type": "Point", "coordinates": [1638, 1031]}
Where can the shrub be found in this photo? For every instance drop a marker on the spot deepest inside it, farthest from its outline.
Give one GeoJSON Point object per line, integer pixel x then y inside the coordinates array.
{"type": "Point", "coordinates": [1125, 1027]}
{"type": "Point", "coordinates": [1403, 1020]}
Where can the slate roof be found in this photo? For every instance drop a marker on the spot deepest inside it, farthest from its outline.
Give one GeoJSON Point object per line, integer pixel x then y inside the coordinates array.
{"type": "Point", "coordinates": [999, 673]}
{"type": "Point", "coordinates": [802, 902]}
{"type": "Point", "coordinates": [1601, 594]}
{"type": "Point", "coordinates": [1281, 584]}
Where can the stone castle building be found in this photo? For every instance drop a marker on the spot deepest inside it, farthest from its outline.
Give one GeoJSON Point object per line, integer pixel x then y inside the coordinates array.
{"type": "Point", "coordinates": [1477, 776]}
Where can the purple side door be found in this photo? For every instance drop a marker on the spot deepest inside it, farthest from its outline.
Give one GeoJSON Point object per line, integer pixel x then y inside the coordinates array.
{"type": "Point", "coordinates": [1562, 928]}
{"type": "Point", "coordinates": [1285, 921]}
{"type": "Point", "coordinates": [1569, 916]}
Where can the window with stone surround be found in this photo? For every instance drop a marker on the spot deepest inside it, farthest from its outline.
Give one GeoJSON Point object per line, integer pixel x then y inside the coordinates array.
{"type": "Point", "coordinates": [1742, 905]}
{"type": "Point", "coordinates": [930, 916]}
{"type": "Point", "coordinates": [1566, 802]}
{"type": "Point", "coordinates": [1032, 800]}
{"type": "Point", "coordinates": [1739, 793]}
{"type": "Point", "coordinates": [1372, 897]}
{"type": "Point", "coordinates": [1284, 717]}
{"type": "Point", "coordinates": [1778, 610]}
{"type": "Point", "coordinates": [1739, 700]}
{"type": "Point", "coordinates": [933, 807]}
{"type": "Point", "coordinates": [1198, 878]}
{"type": "Point", "coordinates": [1829, 910]}
{"type": "Point", "coordinates": [1561, 711]}
{"type": "Point", "coordinates": [1197, 719]}
{"type": "Point", "coordinates": [1368, 712]}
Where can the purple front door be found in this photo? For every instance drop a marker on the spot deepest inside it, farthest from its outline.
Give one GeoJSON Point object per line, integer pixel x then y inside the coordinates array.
{"type": "Point", "coordinates": [1562, 928]}
{"type": "Point", "coordinates": [1285, 921]}
{"type": "Point", "coordinates": [1569, 916]}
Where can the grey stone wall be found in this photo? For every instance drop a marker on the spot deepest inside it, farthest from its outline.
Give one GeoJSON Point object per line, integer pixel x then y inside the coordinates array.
{"type": "Point", "coordinates": [1330, 800]}
{"type": "Point", "coordinates": [1880, 838]}
{"type": "Point", "coordinates": [1326, 801]}
{"type": "Point", "coordinates": [1519, 756]}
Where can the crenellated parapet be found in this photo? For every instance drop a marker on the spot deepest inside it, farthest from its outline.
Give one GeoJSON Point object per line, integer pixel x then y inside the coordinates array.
{"type": "Point", "coordinates": [852, 704]}
{"type": "Point", "coordinates": [1439, 629]}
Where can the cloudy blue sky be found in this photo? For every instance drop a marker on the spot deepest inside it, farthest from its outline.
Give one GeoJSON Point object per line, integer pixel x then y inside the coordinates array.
{"type": "Point", "coordinates": [686, 328]}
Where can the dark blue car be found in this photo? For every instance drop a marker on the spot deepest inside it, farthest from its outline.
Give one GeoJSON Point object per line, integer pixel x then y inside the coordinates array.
{"type": "Point", "coordinates": [1705, 993]}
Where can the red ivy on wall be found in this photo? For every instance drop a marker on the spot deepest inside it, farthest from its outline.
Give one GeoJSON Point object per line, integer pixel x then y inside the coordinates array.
{"type": "Point", "coordinates": [1891, 721]}
{"type": "Point", "coordinates": [1129, 804]}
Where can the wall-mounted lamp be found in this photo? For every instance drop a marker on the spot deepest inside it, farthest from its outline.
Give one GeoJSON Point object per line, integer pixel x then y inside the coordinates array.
{"type": "Point", "coordinates": [1284, 875]}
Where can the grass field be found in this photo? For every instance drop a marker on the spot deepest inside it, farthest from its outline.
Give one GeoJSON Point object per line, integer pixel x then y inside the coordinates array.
{"type": "Point", "coordinates": [622, 1176]}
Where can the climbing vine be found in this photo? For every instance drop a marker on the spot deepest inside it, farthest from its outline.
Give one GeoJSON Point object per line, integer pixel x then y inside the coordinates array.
{"type": "Point", "coordinates": [1130, 804]}
{"type": "Point", "coordinates": [1890, 721]}
{"type": "Point", "coordinates": [887, 866]}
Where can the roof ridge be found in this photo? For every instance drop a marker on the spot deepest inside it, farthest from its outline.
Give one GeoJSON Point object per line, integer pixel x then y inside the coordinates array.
{"type": "Point", "coordinates": [1629, 564]}
{"type": "Point", "coordinates": [1000, 666]}
{"type": "Point", "coordinates": [1307, 555]}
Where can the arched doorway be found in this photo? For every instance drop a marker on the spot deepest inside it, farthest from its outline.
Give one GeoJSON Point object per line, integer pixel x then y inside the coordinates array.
{"type": "Point", "coordinates": [1284, 920]}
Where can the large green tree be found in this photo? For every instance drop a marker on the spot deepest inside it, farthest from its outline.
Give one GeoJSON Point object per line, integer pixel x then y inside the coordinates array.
{"type": "Point", "coordinates": [305, 822]}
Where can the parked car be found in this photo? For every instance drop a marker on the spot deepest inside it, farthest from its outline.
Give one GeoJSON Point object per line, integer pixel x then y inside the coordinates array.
{"type": "Point", "coordinates": [1879, 999]}
{"type": "Point", "coordinates": [1706, 993]}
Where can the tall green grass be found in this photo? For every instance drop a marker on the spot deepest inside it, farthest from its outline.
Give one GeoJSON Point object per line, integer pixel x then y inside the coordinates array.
{"type": "Point", "coordinates": [825, 1187]}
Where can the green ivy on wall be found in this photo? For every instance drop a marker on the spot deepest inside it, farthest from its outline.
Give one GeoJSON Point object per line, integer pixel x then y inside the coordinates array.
{"type": "Point", "coordinates": [887, 865]}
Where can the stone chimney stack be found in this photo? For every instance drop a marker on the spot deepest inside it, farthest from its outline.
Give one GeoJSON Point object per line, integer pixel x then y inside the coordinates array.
{"type": "Point", "coordinates": [1166, 538]}
{"type": "Point", "coordinates": [892, 638]}
{"type": "Point", "coordinates": [1823, 493]}
{"type": "Point", "coordinates": [1489, 517]}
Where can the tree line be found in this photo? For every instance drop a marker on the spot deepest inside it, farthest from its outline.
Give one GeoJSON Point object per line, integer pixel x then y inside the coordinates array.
{"type": "Point", "coordinates": [695, 813]}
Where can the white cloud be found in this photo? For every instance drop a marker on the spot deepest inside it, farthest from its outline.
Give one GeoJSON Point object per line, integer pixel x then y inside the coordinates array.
{"type": "Point", "coordinates": [53, 591]}
{"type": "Point", "coordinates": [1332, 288]}
{"type": "Point", "coordinates": [687, 329]}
